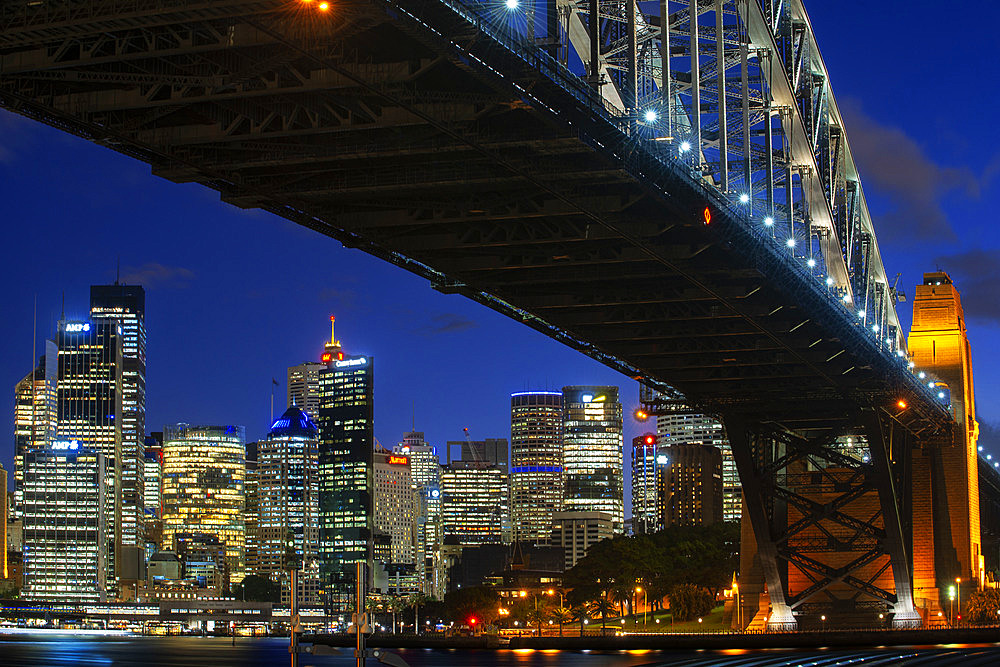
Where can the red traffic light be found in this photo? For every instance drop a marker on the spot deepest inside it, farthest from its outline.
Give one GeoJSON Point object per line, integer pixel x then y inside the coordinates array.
{"type": "Point", "coordinates": [472, 620]}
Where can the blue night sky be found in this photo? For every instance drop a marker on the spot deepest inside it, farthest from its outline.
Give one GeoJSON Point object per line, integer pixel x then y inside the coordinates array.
{"type": "Point", "coordinates": [234, 297]}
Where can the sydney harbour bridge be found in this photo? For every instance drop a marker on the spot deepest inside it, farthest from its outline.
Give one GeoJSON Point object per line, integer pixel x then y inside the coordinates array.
{"type": "Point", "coordinates": [665, 186]}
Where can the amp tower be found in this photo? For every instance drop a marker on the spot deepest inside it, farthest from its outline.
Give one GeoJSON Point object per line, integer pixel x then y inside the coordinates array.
{"type": "Point", "coordinates": [946, 533]}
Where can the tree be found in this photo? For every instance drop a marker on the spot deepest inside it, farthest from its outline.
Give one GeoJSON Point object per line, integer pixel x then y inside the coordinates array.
{"type": "Point", "coordinates": [417, 600]}
{"type": "Point", "coordinates": [602, 606]}
{"type": "Point", "coordinates": [258, 589]}
{"type": "Point", "coordinates": [478, 602]}
{"type": "Point", "coordinates": [984, 606]}
{"type": "Point", "coordinates": [688, 601]}
{"type": "Point", "coordinates": [621, 595]}
{"type": "Point", "coordinates": [537, 615]}
{"type": "Point", "coordinates": [580, 613]}
{"type": "Point", "coordinates": [561, 615]}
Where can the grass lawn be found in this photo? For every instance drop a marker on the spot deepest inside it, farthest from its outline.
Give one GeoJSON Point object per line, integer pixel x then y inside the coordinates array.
{"type": "Point", "coordinates": [711, 623]}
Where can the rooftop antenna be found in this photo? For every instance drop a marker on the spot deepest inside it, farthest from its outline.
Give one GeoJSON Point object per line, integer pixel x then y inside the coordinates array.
{"type": "Point", "coordinates": [63, 316]}
{"type": "Point", "coordinates": [118, 270]}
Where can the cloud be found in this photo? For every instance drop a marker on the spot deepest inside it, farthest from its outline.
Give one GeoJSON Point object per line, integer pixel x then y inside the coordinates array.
{"type": "Point", "coordinates": [444, 323]}
{"type": "Point", "coordinates": [895, 166]}
{"type": "Point", "coordinates": [977, 273]}
{"type": "Point", "coordinates": [154, 275]}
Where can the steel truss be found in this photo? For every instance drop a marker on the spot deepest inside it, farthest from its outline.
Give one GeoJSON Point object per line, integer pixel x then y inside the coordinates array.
{"type": "Point", "coordinates": [839, 523]}
{"type": "Point", "coordinates": [767, 125]}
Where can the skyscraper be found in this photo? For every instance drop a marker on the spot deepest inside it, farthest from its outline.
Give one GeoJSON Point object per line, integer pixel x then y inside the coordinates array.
{"type": "Point", "coordinates": [303, 387]}
{"type": "Point", "coordinates": [346, 450]}
{"type": "Point", "coordinates": [687, 427]}
{"type": "Point", "coordinates": [645, 518]}
{"type": "Point", "coordinates": [34, 414]}
{"type": "Point", "coordinates": [66, 555]}
{"type": "Point", "coordinates": [491, 451]}
{"type": "Point", "coordinates": [592, 452]}
{"type": "Point", "coordinates": [125, 306]}
{"type": "Point", "coordinates": [88, 405]}
{"type": "Point", "coordinates": [395, 505]}
{"type": "Point", "coordinates": [425, 470]}
{"type": "Point", "coordinates": [475, 503]}
{"type": "Point", "coordinates": [288, 497]}
{"type": "Point", "coordinates": [3, 522]}
{"type": "Point", "coordinates": [203, 487]}
{"type": "Point", "coordinates": [536, 477]}
{"type": "Point", "coordinates": [689, 484]}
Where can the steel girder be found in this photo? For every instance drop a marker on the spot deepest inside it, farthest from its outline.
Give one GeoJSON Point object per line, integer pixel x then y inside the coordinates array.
{"type": "Point", "coordinates": [830, 528]}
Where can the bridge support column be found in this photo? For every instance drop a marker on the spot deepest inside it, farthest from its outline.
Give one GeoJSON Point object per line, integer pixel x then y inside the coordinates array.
{"type": "Point", "coordinates": [890, 451]}
{"type": "Point", "coordinates": [752, 455]}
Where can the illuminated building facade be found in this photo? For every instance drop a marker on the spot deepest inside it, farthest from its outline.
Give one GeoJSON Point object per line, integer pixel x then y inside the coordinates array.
{"type": "Point", "coordinates": [491, 451]}
{"type": "Point", "coordinates": [536, 474]}
{"type": "Point", "coordinates": [288, 498]}
{"type": "Point", "coordinates": [303, 387]}
{"type": "Point", "coordinates": [592, 452]}
{"type": "Point", "coordinates": [34, 414]}
{"type": "Point", "coordinates": [425, 471]}
{"type": "Point", "coordinates": [687, 427]}
{"type": "Point", "coordinates": [576, 532]}
{"type": "Point", "coordinates": [475, 504]}
{"type": "Point", "coordinates": [689, 485]}
{"type": "Point", "coordinates": [3, 523]}
{"type": "Point", "coordinates": [645, 518]}
{"type": "Point", "coordinates": [346, 453]}
{"type": "Point", "coordinates": [203, 487]}
{"type": "Point", "coordinates": [125, 306]}
{"type": "Point", "coordinates": [395, 505]}
{"type": "Point", "coordinates": [152, 471]}
{"type": "Point", "coordinates": [88, 403]}
{"type": "Point", "coordinates": [251, 510]}
{"type": "Point", "coordinates": [66, 555]}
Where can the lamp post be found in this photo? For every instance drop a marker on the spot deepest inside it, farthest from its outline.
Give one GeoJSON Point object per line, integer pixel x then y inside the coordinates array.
{"type": "Point", "coordinates": [645, 602]}
{"type": "Point", "coordinates": [823, 618]}
{"type": "Point", "coordinates": [951, 603]}
{"type": "Point", "coordinates": [958, 591]}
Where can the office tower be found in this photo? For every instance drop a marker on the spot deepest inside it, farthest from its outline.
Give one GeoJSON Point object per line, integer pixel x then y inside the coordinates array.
{"type": "Point", "coordinates": [205, 559]}
{"type": "Point", "coordinates": [645, 518]}
{"type": "Point", "coordinates": [66, 555]}
{"type": "Point", "coordinates": [34, 414]}
{"type": "Point", "coordinates": [152, 470]}
{"type": "Point", "coordinates": [203, 492]}
{"type": "Point", "coordinates": [576, 532]}
{"type": "Point", "coordinates": [303, 387]}
{"type": "Point", "coordinates": [346, 451]}
{"type": "Point", "coordinates": [88, 403]}
{"type": "Point", "coordinates": [475, 504]}
{"type": "Point", "coordinates": [425, 470]}
{"type": "Point", "coordinates": [395, 505]}
{"type": "Point", "coordinates": [491, 451]}
{"type": "Point", "coordinates": [125, 306]}
{"type": "Point", "coordinates": [536, 479]}
{"type": "Point", "coordinates": [251, 509]}
{"type": "Point", "coordinates": [687, 427]}
{"type": "Point", "coordinates": [3, 522]}
{"type": "Point", "coordinates": [689, 485]}
{"type": "Point", "coordinates": [288, 498]}
{"type": "Point", "coordinates": [592, 452]}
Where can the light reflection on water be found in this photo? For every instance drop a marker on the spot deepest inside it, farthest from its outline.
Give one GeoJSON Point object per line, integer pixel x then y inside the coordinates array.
{"type": "Point", "coordinates": [198, 651]}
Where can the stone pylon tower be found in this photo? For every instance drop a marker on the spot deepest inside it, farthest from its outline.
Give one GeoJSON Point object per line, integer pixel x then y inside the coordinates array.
{"type": "Point", "coordinates": [946, 533]}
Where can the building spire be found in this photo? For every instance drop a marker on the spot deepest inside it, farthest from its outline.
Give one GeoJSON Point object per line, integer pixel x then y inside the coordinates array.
{"type": "Point", "coordinates": [331, 350]}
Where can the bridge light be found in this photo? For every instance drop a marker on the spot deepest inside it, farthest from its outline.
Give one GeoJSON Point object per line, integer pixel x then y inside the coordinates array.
{"type": "Point", "coordinates": [901, 404]}
{"type": "Point", "coordinates": [651, 116]}
{"type": "Point", "coordinates": [324, 6]}
{"type": "Point", "coordinates": [900, 353]}
{"type": "Point", "coordinates": [930, 385]}
{"type": "Point", "coordinates": [829, 281]}
{"type": "Point", "coordinates": [921, 375]}
{"type": "Point", "coordinates": [875, 328]}
{"type": "Point", "coordinates": [790, 243]}
{"type": "Point", "coordinates": [744, 198]}
{"type": "Point", "coordinates": [989, 457]}
{"type": "Point", "coordinates": [861, 314]}
{"type": "Point", "coordinates": [911, 364]}
{"type": "Point", "coordinates": [811, 262]}
{"type": "Point", "coordinates": [707, 215]}
{"type": "Point", "coordinates": [641, 415]}
{"type": "Point", "coordinates": [980, 448]}
{"type": "Point", "coordinates": [511, 4]}
{"type": "Point", "coordinates": [847, 298]}
{"type": "Point", "coordinates": [685, 146]}
{"type": "Point", "coordinates": [769, 221]}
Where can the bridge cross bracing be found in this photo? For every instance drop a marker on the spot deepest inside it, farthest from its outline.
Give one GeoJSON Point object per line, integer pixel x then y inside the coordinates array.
{"type": "Point", "coordinates": [556, 161]}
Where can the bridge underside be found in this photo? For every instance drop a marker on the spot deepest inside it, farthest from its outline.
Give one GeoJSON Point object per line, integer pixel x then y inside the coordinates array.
{"type": "Point", "coordinates": [477, 166]}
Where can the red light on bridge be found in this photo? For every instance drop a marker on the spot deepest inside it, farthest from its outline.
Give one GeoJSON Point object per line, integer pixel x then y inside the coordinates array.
{"type": "Point", "coordinates": [901, 404]}
{"type": "Point", "coordinates": [707, 214]}
{"type": "Point", "coordinates": [641, 415]}
{"type": "Point", "coordinates": [324, 6]}
{"type": "Point", "coordinates": [650, 440]}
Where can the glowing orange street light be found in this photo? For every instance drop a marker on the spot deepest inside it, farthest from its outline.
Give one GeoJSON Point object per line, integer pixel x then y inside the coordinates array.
{"type": "Point", "coordinates": [324, 6]}
{"type": "Point", "coordinates": [901, 404]}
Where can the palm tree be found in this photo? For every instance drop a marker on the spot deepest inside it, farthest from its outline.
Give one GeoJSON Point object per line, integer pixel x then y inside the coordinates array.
{"type": "Point", "coordinates": [561, 615]}
{"type": "Point", "coordinates": [536, 615]}
{"type": "Point", "coordinates": [621, 595]}
{"type": "Point", "coordinates": [602, 606]}
{"type": "Point", "coordinates": [581, 614]}
{"type": "Point", "coordinates": [416, 600]}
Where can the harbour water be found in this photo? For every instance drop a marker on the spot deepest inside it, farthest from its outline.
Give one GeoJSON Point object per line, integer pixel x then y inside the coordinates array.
{"type": "Point", "coordinates": [199, 651]}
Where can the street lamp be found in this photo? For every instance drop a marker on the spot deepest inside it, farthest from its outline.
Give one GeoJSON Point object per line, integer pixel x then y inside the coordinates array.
{"type": "Point", "coordinates": [645, 600]}
{"type": "Point", "coordinates": [823, 618]}
{"type": "Point", "coordinates": [951, 598]}
{"type": "Point", "coordinates": [958, 591]}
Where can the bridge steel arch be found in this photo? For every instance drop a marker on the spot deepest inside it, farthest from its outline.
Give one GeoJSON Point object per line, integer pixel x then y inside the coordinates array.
{"type": "Point", "coordinates": [575, 167]}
